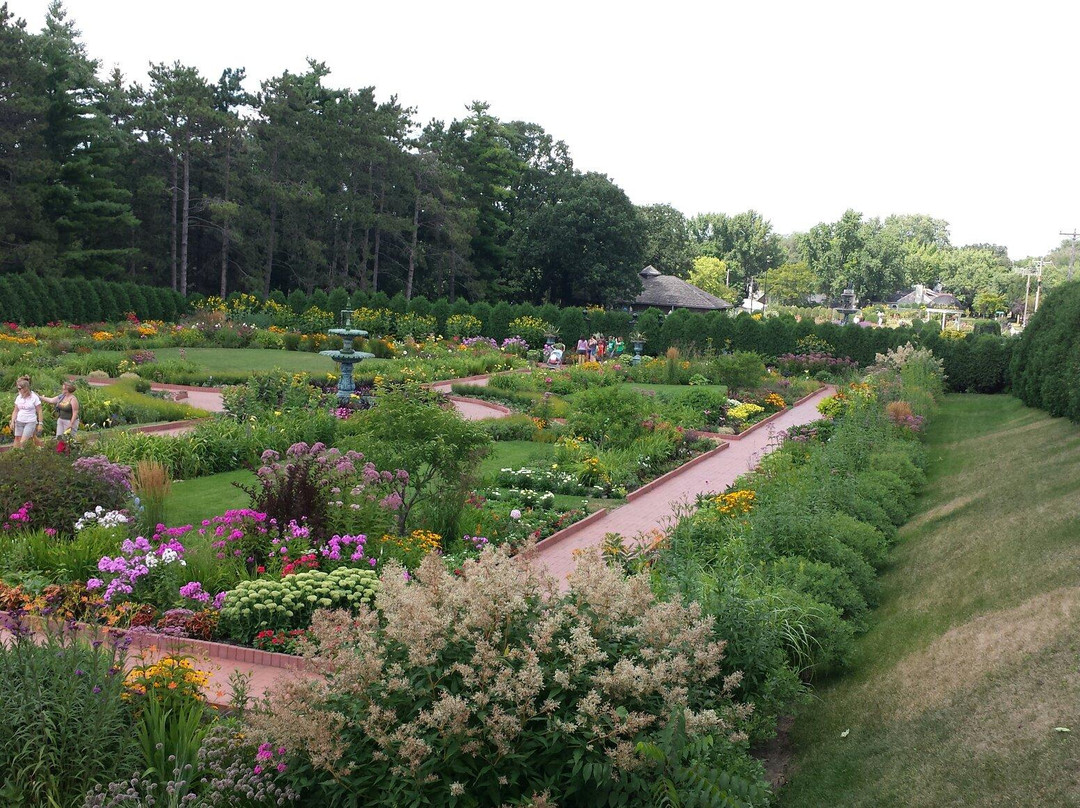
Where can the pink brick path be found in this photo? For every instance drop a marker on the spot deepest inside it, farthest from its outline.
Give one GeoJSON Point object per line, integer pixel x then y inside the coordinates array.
{"type": "Point", "coordinates": [657, 507]}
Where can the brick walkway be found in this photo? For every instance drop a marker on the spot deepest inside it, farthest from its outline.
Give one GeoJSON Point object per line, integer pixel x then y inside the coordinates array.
{"type": "Point", "coordinates": [657, 507]}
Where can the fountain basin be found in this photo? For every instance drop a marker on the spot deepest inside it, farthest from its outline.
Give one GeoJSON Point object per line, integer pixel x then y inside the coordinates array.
{"type": "Point", "coordinates": [347, 356]}
{"type": "Point", "coordinates": [348, 333]}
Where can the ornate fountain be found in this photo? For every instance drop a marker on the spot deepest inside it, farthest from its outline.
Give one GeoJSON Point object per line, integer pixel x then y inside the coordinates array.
{"type": "Point", "coordinates": [847, 305]}
{"type": "Point", "coordinates": [347, 357]}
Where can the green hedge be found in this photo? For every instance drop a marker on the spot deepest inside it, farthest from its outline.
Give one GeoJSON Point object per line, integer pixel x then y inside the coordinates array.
{"type": "Point", "coordinates": [29, 299]}
{"type": "Point", "coordinates": [1045, 366]}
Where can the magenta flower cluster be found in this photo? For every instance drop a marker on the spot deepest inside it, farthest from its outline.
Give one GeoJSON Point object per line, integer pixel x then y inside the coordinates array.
{"type": "Point", "coordinates": [21, 517]}
{"type": "Point", "coordinates": [230, 528]}
{"type": "Point", "coordinates": [265, 757]}
{"type": "Point", "coordinates": [511, 343]}
{"type": "Point", "coordinates": [475, 542]}
{"type": "Point", "coordinates": [350, 548]}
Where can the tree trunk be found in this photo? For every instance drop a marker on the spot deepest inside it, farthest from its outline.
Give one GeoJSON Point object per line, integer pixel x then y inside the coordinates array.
{"type": "Point", "coordinates": [273, 228]}
{"type": "Point", "coordinates": [225, 226]}
{"type": "Point", "coordinates": [184, 221]}
{"type": "Point", "coordinates": [348, 255]}
{"type": "Point", "coordinates": [365, 251]}
{"type": "Point", "coordinates": [378, 239]}
{"type": "Point", "coordinates": [174, 182]}
{"type": "Point", "coordinates": [412, 247]}
{"type": "Point", "coordinates": [453, 274]}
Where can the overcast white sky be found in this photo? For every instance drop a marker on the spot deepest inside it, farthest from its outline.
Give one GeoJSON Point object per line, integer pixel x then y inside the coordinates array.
{"type": "Point", "coordinates": [800, 110]}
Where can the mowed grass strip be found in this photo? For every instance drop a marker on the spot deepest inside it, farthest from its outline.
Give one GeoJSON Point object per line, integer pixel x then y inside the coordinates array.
{"type": "Point", "coordinates": [973, 658]}
{"type": "Point", "coordinates": [254, 360]}
{"type": "Point", "coordinates": [191, 501]}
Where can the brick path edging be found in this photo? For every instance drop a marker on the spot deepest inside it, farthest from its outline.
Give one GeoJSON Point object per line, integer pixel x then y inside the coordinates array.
{"type": "Point", "coordinates": [774, 416]}
{"type": "Point", "coordinates": [499, 408]}
{"type": "Point", "coordinates": [566, 532]}
{"type": "Point", "coordinates": [663, 478]}
{"type": "Point", "coordinates": [146, 640]}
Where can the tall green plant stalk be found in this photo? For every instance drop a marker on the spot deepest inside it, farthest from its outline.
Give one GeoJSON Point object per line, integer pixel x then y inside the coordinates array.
{"type": "Point", "coordinates": [64, 726]}
{"type": "Point", "coordinates": [151, 483]}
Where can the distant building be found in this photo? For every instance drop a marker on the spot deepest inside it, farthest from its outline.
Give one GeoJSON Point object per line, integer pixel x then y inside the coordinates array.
{"type": "Point", "coordinates": [669, 293]}
{"type": "Point", "coordinates": [924, 296]}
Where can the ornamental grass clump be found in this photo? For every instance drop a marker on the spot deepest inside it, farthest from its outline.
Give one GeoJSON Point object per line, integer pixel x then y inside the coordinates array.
{"type": "Point", "coordinates": [486, 686]}
{"type": "Point", "coordinates": [151, 484]}
{"type": "Point", "coordinates": [63, 726]}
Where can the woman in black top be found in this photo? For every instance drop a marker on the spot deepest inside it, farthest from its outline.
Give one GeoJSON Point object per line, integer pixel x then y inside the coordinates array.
{"type": "Point", "coordinates": [67, 409]}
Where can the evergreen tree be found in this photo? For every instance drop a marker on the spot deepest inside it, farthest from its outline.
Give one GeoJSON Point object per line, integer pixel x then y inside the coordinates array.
{"type": "Point", "coordinates": [91, 214]}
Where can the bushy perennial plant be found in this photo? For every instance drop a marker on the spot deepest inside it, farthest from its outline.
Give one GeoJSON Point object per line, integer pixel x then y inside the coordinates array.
{"type": "Point", "coordinates": [488, 687]}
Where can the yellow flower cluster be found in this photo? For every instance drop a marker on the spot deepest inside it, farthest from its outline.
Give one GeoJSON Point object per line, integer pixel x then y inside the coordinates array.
{"type": "Point", "coordinates": [244, 303]}
{"type": "Point", "coordinates": [736, 502]}
{"type": "Point", "coordinates": [147, 330]}
{"type": "Point", "coordinates": [424, 541]}
{"type": "Point", "coordinates": [744, 412]}
{"type": "Point", "coordinates": [212, 303]}
{"type": "Point", "coordinates": [17, 340]}
{"type": "Point", "coordinates": [775, 400]}
{"type": "Point", "coordinates": [102, 336]}
{"type": "Point", "coordinates": [170, 675]}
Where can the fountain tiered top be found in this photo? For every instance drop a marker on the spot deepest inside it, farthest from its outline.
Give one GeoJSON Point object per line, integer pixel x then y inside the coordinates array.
{"type": "Point", "coordinates": [346, 354]}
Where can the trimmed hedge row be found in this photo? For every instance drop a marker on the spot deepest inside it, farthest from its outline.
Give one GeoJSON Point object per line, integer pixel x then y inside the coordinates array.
{"type": "Point", "coordinates": [1045, 366]}
{"type": "Point", "coordinates": [29, 299]}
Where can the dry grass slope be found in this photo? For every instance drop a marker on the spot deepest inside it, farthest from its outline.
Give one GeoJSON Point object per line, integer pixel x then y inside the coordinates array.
{"type": "Point", "coordinates": [973, 659]}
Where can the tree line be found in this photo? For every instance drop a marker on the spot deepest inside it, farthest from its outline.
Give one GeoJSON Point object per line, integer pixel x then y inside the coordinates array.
{"type": "Point", "coordinates": [203, 186]}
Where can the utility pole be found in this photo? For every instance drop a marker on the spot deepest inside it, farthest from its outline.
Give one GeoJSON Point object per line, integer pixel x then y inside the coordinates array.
{"type": "Point", "coordinates": [1028, 271]}
{"type": "Point", "coordinates": [1038, 289]}
{"type": "Point", "coordinates": [1072, 255]}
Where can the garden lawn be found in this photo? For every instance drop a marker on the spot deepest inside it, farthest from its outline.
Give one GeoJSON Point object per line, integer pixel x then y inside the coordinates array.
{"type": "Point", "coordinates": [513, 454]}
{"type": "Point", "coordinates": [192, 501]}
{"type": "Point", "coordinates": [251, 360]}
{"type": "Point", "coordinates": [973, 657]}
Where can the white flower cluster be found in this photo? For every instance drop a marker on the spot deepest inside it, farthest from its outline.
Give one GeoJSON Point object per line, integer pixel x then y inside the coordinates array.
{"type": "Point", "coordinates": [102, 517]}
{"type": "Point", "coordinates": [167, 556]}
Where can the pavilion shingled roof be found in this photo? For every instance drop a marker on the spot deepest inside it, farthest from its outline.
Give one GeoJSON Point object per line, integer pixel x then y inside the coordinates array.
{"type": "Point", "coordinates": [667, 292]}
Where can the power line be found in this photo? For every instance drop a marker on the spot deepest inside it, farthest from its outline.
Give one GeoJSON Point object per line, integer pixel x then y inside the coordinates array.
{"type": "Point", "coordinates": [1072, 255]}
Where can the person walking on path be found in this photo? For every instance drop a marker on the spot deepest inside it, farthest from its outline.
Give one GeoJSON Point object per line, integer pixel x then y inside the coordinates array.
{"type": "Point", "coordinates": [26, 423]}
{"type": "Point", "coordinates": [582, 350]}
{"type": "Point", "coordinates": [67, 409]}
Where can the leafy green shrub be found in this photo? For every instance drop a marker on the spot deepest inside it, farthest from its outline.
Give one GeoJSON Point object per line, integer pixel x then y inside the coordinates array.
{"type": "Point", "coordinates": [492, 683]}
{"type": "Point", "coordinates": [265, 604]}
{"type": "Point", "coordinates": [516, 427]}
{"type": "Point", "coordinates": [263, 394]}
{"type": "Point", "coordinates": [64, 726]}
{"type": "Point", "coordinates": [219, 444]}
{"type": "Point", "coordinates": [435, 449]}
{"type": "Point", "coordinates": [65, 558]}
{"type": "Point", "coordinates": [59, 487]}
{"type": "Point", "coordinates": [415, 325]}
{"type": "Point", "coordinates": [822, 582]}
{"type": "Point", "coordinates": [608, 416]}
{"type": "Point", "coordinates": [739, 370]}
{"type": "Point", "coordinates": [463, 325]}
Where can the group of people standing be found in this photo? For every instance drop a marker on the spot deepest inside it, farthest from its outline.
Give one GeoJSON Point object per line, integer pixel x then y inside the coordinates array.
{"type": "Point", "coordinates": [598, 347]}
{"type": "Point", "coordinates": [26, 416]}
